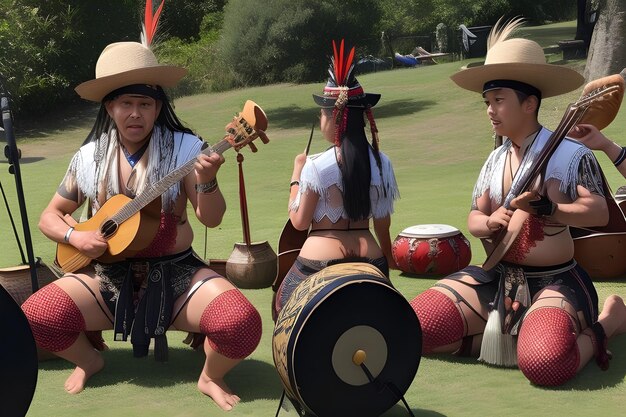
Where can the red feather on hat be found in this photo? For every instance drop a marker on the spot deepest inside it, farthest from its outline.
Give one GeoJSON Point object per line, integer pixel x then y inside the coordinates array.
{"type": "Point", "coordinates": [341, 68]}
{"type": "Point", "coordinates": [151, 20]}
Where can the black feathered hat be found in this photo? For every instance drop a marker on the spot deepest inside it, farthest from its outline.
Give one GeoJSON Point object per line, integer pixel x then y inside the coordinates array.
{"type": "Point", "coordinates": [343, 91]}
{"type": "Point", "coordinates": [342, 88]}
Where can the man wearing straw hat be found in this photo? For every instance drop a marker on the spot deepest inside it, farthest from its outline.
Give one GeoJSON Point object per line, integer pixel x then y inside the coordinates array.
{"type": "Point", "coordinates": [136, 140]}
{"type": "Point", "coordinates": [536, 309]}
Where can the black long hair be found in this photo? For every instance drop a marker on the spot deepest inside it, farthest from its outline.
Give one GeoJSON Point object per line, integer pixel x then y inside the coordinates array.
{"type": "Point", "coordinates": [355, 166]}
{"type": "Point", "coordinates": [167, 119]}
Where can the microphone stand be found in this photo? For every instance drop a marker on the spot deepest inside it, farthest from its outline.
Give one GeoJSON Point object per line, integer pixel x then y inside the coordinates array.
{"type": "Point", "coordinates": [13, 156]}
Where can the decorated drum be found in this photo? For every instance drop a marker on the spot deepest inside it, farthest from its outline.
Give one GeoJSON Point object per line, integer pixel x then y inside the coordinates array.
{"type": "Point", "coordinates": [336, 327]}
{"type": "Point", "coordinates": [18, 358]}
{"type": "Point", "coordinates": [431, 249]}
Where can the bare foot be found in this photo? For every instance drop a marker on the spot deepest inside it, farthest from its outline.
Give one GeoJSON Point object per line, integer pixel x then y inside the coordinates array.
{"type": "Point", "coordinates": [614, 315]}
{"type": "Point", "coordinates": [77, 380]}
{"type": "Point", "coordinates": [218, 391]}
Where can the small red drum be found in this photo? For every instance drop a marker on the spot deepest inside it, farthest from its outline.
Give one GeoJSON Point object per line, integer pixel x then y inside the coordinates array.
{"type": "Point", "coordinates": [431, 249]}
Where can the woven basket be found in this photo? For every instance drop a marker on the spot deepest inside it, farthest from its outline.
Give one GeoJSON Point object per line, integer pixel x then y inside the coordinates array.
{"type": "Point", "coordinates": [17, 281]}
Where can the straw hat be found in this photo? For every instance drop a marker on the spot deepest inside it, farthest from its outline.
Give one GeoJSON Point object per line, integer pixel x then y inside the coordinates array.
{"type": "Point", "coordinates": [522, 60]}
{"type": "Point", "coordinates": [126, 63]}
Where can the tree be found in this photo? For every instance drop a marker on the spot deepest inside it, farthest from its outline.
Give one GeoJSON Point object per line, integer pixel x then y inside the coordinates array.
{"type": "Point", "coordinates": [49, 47]}
{"type": "Point", "coordinates": [290, 40]}
{"type": "Point", "coordinates": [607, 53]}
{"type": "Point", "coordinates": [586, 15]}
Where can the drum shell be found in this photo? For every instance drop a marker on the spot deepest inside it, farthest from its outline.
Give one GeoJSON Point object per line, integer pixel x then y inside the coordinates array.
{"type": "Point", "coordinates": [310, 298]}
{"type": "Point", "coordinates": [602, 256]}
{"type": "Point", "coordinates": [431, 256]}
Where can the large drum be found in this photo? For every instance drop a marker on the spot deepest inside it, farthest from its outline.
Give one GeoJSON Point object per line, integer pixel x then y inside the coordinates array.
{"type": "Point", "coordinates": [345, 315]}
{"type": "Point", "coordinates": [431, 249]}
{"type": "Point", "coordinates": [18, 359]}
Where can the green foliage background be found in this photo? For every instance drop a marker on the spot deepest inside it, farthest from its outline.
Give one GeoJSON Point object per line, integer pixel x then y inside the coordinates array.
{"type": "Point", "coordinates": [49, 47]}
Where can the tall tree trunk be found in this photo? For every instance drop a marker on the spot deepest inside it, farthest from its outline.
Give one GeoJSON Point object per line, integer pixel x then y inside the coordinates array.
{"type": "Point", "coordinates": [607, 53]}
{"type": "Point", "coordinates": [584, 25]}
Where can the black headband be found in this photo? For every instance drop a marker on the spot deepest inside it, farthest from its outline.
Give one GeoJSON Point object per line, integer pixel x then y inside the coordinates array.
{"type": "Point", "coordinates": [138, 89]}
{"type": "Point", "coordinates": [527, 89]}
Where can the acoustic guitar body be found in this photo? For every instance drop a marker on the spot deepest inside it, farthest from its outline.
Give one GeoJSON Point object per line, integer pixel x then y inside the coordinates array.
{"type": "Point", "coordinates": [289, 245]}
{"type": "Point", "coordinates": [124, 239]}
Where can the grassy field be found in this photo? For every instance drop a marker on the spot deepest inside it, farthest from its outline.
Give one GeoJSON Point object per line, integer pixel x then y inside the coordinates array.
{"type": "Point", "coordinates": [437, 136]}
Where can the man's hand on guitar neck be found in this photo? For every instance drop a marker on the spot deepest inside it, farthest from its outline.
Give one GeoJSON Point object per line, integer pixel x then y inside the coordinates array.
{"type": "Point", "coordinates": [207, 167]}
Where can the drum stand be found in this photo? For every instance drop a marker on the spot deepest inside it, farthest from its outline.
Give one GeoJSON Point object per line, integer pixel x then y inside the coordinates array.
{"type": "Point", "coordinates": [358, 359]}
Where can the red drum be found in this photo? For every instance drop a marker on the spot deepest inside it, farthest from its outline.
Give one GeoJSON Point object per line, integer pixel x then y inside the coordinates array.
{"type": "Point", "coordinates": [431, 249]}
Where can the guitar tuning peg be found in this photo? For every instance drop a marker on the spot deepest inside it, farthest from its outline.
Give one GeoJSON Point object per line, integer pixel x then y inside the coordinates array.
{"type": "Point", "coordinates": [253, 147]}
{"type": "Point", "coordinates": [263, 137]}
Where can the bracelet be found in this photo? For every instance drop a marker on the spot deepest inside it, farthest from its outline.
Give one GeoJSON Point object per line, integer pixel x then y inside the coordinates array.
{"type": "Point", "coordinates": [294, 182]}
{"type": "Point", "coordinates": [620, 158]}
{"type": "Point", "coordinates": [66, 238]}
{"type": "Point", "coordinates": [207, 187]}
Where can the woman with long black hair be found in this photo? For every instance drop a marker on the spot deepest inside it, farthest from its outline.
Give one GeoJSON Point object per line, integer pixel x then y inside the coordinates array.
{"type": "Point", "coordinates": [335, 194]}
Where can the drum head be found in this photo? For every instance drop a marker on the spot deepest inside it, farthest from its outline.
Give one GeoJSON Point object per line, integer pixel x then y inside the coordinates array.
{"type": "Point", "coordinates": [18, 359]}
{"type": "Point", "coordinates": [356, 315]}
{"type": "Point", "coordinates": [428, 231]}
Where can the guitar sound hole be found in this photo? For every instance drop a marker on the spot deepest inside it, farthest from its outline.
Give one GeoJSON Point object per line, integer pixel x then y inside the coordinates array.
{"type": "Point", "coordinates": [108, 228]}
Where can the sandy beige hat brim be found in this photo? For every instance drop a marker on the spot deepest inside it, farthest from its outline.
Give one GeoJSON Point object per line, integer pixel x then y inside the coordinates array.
{"type": "Point", "coordinates": [163, 75]}
{"type": "Point", "coordinates": [551, 80]}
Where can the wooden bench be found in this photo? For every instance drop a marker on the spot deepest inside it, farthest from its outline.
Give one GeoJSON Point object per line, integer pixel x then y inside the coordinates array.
{"type": "Point", "coordinates": [573, 49]}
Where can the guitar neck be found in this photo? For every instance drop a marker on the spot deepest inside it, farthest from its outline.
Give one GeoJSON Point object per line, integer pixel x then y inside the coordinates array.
{"type": "Point", "coordinates": [155, 190]}
{"type": "Point", "coordinates": [571, 117]}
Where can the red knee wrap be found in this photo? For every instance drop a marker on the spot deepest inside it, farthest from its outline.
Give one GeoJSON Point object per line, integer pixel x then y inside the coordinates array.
{"type": "Point", "coordinates": [54, 318]}
{"type": "Point", "coordinates": [440, 319]}
{"type": "Point", "coordinates": [232, 325]}
{"type": "Point", "coordinates": [547, 352]}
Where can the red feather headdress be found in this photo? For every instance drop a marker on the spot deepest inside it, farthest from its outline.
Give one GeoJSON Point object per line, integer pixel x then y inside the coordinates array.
{"type": "Point", "coordinates": [343, 91]}
{"type": "Point", "coordinates": [151, 21]}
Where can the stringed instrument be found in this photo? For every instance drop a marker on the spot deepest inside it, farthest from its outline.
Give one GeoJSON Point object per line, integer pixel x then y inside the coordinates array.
{"type": "Point", "coordinates": [600, 250]}
{"type": "Point", "coordinates": [121, 220]}
{"type": "Point", "coordinates": [290, 241]}
{"type": "Point", "coordinates": [251, 265]}
{"type": "Point", "coordinates": [498, 245]}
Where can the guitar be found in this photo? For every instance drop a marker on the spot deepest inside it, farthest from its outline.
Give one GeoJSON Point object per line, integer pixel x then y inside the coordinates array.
{"type": "Point", "coordinates": [291, 240]}
{"type": "Point", "coordinates": [130, 224]}
{"type": "Point", "coordinates": [498, 245]}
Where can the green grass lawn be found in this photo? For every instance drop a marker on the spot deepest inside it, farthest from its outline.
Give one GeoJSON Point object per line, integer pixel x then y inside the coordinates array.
{"type": "Point", "coordinates": [437, 136]}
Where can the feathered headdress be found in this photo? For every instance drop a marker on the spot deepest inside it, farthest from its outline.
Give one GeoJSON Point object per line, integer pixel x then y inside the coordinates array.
{"type": "Point", "coordinates": [517, 60]}
{"type": "Point", "coordinates": [123, 64]}
{"type": "Point", "coordinates": [343, 91]}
